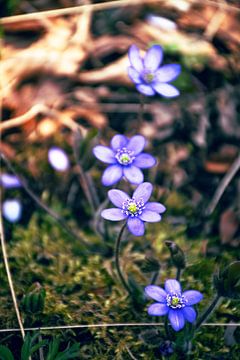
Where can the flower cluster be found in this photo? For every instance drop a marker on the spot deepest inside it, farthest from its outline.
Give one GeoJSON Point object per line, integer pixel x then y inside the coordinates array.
{"type": "Point", "coordinates": [172, 302]}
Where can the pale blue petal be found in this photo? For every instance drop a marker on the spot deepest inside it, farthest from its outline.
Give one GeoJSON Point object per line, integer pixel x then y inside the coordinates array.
{"type": "Point", "coordinates": [135, 58]}
{"type": "Point", "coordinates": [172, 286]}
{"type": "Point", "coordinates": [154, 206]}
{"type": "Point", "coordinates": [104, 154]}
{"type": "Point", "coordinates": [117, 197]}
{"type": "Point", "coordinates": [153, 58]}
{"type": "Point", "coordinates": [111, 175]}
{"type": "Point", "coordinates": [145, 90]}
{"type": "Point", "coordinates": [58, 159]}
{"type": "Point", "coordinates": [158, 309]}
{"type": "Point", "coordinates": [166, 90]}
{"type": "Point", "coordinates": [176, 319]}
{"type": "Point", "coordinates": [134, 75]}
{"type": "Point", "coordinates": [143, 191]}
{"type": "Point", "coordinates": [168, 73]}
{"type": "Point", "coordinates": [135, 226]}
{"type": "Point", "coordinates": [136, 144]}
{"type": "Point", "coordinates": [113, 214]}
{"type": "Point", "coordinates": [150, 216]}
{"type": "Point", "coordinates": [12, 210]}
{"type": "Point", "coordinates": [156, 293]}
{"type": "Point", "coordinates": [9, 181]}
{"type": "Point", "coordinates": [192, 297]}
{"type": "Point", "coordinates": [189, 314]}
{"type": "Point", "coordinates": [118, 142]}
{"type": "Point", "coordinates": [133, 174]}
{"type": "Point", "coordinates": [144, 161]}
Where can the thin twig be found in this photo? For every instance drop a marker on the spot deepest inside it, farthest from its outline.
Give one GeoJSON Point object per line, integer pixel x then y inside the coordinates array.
{"type": "Point", "coordinates": [10, 281]}
{"type": "Point", "coordinates": [106, 325]}
{"type": "Point", "coordinates": [130, 353]}
{"type": "Point", "coordinates": [74, 10]}
{"type": "Point", "coordinates": [117, 262]}
{"type": "Point", "coordinates": [43, 206]}
{"type": "Point", "coordinates": [223, 185]}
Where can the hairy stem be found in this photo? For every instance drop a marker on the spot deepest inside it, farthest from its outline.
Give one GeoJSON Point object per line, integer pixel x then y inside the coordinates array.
{"type": "Point", "coordinates": [207, 312]}
{"type": "Point", "coordinates": [178, 274]}
{"type": "Point", "coordinates": [117, 262]}
{"type": "Point", "coordinates": [9, 277]}
{"type": "Point", "coordinates": [155, 277]}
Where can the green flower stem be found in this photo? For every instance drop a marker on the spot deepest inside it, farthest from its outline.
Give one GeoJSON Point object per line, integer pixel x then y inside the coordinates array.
{"type": "Point", "coordinates": [154, 277]}
{"type": "Point", "coordinates": [167, 328]}
{"type": "Point", "coordinates": [178, 274]}
{"type": "Point", "coordinates": [117, 254]}
{"type": "Point", "coordinates": [207, 312]}
{"type": "Point", "coordinates": [141, 110]}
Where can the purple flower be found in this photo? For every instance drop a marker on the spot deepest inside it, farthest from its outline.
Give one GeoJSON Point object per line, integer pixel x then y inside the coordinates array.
{"type": "Point", "coordinates": [147, 74]}
{"type": "Point", "coordinates": [125, 158]}
{"type": "Point", "coordinates": [9, 181]}
{"type": "Point", "coordinates": [174, 303]}
{"type": "Point", "coordinates": [58, 159]}
{"type": "Point", "coordinates": [136, 210]}
{"type": "Point", "coordinates": [12, 210]}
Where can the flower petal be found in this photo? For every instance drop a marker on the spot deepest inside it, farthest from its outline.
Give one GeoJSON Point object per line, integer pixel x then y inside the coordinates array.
{"type": "Point", "coordinates": [192, 296]}
{"type": "Point", "coordinates": [172, 286]}
{"type": "Point", "coordinates": [9, 181]}
{"type": "Point", "coordinates": [154, 206]}
{"type": "Point", "coordinates": [176, 319]}
{"type": "Point", "coordinates": [135, 58]}
{"type": "Point", "coordinates": [150, 216]}
{"type": "Point", "coordinates": [118, 142]}
{"type": "Point", "coordinates": [189, 314]}
{"type": "Point", "coordinates": [143, 191]}
{"type": "Point", "coordinates": [166, 90]}
{"type": "Point", "coordinates": [153, 58]}
{"type": "Point", "coordinates": [136, 144]}
{"type": "Point", "coordinates": [12, 210]}
{"type": "Point", "coordinates": [145, 90]}
{"type": "Point", "coordinates": [113, 214]}
{"type": "Point", "coordinates": [156, 293]}
{"type": "Point", "coordinates": [168, 73]}
{"type": "Point", "coordinates": [104, 154]}
{"type": "Point", "coordinates": [111, 175]}
{"type": "Point", "coordinates": [133, 174]}
{"type": "Point", "coordinates": [134, 75]}
{"type": "Point", "coordinates": [144, 161]}
{"type": "Point", "coordinates": [158, 309]}
{"type": "Point", "coordinates": [117, 197]}
{"type": "Point", "coordinates": [135, 226]}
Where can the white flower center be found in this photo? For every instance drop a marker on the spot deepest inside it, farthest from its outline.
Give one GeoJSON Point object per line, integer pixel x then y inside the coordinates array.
{"type": "Point", "coordinates": [132, 208]}
{"type": "Point", "coordinates": [176, 301]}
{"type": "Point", "coordinates": [124, 156]}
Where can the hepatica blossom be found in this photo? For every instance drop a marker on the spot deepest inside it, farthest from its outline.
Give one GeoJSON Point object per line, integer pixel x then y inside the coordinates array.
{"type": "Point", "coordinates": [125, 158]}
{"type": "Point", "coordinates": [12, 210]}
{"type": "Point", "coordinates": [136, 210]}
{"type": "Point", "coordinates": [174, 303]}
{"type": "Point", "coordinates": [147, 74]}
{"type": "Point", "coordinates": [58, 159]}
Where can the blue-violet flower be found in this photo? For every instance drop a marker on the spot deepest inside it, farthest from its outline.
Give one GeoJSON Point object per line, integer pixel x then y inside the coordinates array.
{"type": "Point", "coordinates": [125, 158]}
{"type": "Point", "coordinates": [174, 303]}
{"type": "Point", "coordinates": [136, 210]}
{"type": "Point", "coordinates": [147, 74]}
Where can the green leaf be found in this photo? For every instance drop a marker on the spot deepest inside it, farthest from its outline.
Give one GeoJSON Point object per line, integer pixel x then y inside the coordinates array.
{"type": "Point", "coordinates": [5, 353]}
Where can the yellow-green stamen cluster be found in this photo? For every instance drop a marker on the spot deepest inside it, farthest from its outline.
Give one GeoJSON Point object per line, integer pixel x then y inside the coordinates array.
{"type": "Point", "coordinates": [124, 156]}
{"type": "Point", "coordinates": [176, 301]}
{"type": "Point", "coordinates": [132, 208]}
